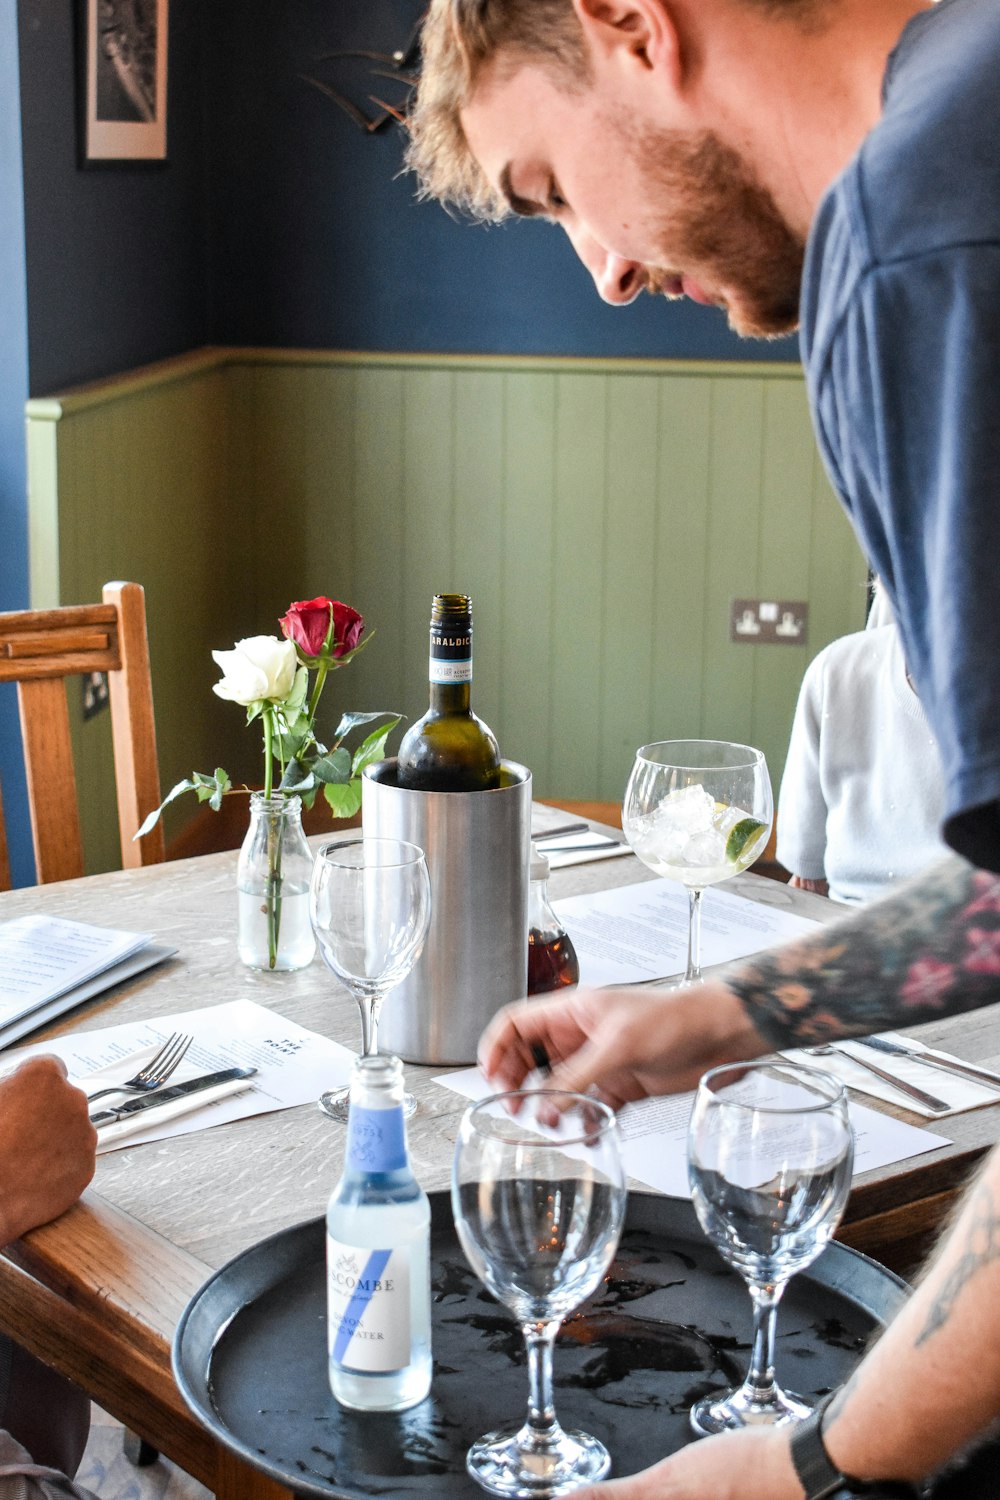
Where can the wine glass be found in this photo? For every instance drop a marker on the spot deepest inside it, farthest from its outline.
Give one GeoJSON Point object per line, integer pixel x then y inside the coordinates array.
{"type": "Point", "coordinates": [538, 1193]}
{"type": "Point", "coordinates": [370, 906]}
{"type": "Point", "coordinates": [770, 1151]}
{"type": "Point", "coordinates": [697, 811]}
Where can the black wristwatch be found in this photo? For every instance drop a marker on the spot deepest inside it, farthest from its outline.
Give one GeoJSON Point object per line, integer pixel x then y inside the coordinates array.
{"type": "Point", "coordinates": [817, 1475]}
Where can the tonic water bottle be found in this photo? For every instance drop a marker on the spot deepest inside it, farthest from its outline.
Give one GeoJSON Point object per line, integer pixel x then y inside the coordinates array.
{"type": "Point", "coordinates": [378, 1253]}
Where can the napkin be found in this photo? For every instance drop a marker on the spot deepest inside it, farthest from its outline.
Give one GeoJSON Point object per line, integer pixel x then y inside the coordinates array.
{"type": "Point", "coordinates": [580, 848]}
{"type": "Point", "coordinates": [958, 1093]}
{"type": "Point", "coordinates": [146, 1119]}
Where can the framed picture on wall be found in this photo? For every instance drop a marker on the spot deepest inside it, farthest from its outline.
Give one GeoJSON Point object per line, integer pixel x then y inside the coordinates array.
{"type": "Point", "coordinates": [125, 75]}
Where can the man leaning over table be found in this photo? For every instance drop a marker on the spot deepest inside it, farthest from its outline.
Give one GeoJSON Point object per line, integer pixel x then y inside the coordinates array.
{"type": "Point", "coordinates": [833, 164]}
{"type": "Point", "coordinates": [47, 1154]}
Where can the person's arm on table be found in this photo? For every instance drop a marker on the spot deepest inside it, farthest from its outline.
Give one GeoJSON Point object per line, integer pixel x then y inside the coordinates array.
{"type": "Point", "coordinates": [928, 950]}
{"type": "Point", "coordinates": [47, 1146]}
{"type": "Point", "coordinates": [818, 887]}
{"type": "Point", "coordinates": [927, 1388]}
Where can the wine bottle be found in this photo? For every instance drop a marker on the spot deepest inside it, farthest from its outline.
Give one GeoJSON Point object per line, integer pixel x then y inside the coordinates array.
{"type": "Point", "coordinates": [449, 749]}
{"type": "Point", "coordinates": [378, 1253]}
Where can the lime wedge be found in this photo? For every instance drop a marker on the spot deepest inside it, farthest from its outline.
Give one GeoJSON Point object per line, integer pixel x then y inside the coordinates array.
{"type": "Point", "coordinates": [740, 836]}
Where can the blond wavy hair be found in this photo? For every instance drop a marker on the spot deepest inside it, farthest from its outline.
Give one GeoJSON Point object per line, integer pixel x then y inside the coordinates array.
{"type": "Point", "coordinates": [458, 40]}
{"type": "Point", "coordinates": [461, 37]}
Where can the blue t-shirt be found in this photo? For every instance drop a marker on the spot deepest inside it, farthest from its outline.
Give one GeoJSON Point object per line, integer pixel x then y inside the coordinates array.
{"type": "Point", "coordinates": [901, 343]}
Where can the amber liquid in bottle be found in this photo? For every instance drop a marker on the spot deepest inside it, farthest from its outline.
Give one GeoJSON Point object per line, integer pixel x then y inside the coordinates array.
{"type": "Point", "coordinates": [552, 962]}
{"type": "Point", "coordinates": [449, 749]}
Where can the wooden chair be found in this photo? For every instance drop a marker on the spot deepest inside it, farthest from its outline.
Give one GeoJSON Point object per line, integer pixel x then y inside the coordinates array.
{"type": "Point", "coordinates": [4, 861]}
{"type": "Point", "coordinates": [39, 649]}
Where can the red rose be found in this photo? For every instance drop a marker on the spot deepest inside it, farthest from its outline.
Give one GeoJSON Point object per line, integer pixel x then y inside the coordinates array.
{"type": "Point", "coordinates": [307, 622]}
{"type": "Point", "coordinates": [348, 628]}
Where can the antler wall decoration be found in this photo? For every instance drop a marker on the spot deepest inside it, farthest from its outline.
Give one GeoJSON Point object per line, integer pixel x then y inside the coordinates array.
{"type": "Point", "coordinates": [400, 66]}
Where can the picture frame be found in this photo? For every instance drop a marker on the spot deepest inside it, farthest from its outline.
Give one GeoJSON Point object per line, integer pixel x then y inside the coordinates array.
{"type": "Point", "coordinates": [125, 81]}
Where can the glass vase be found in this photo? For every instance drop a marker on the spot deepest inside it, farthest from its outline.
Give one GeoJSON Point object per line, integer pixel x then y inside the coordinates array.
{"type": "Point", "coordinates": [272, 879]}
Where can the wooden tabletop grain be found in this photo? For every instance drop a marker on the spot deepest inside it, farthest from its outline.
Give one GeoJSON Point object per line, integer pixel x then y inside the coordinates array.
{"type": "Point", "coordinates": [99, 1292]}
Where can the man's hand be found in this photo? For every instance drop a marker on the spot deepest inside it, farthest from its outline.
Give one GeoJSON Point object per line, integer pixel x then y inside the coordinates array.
{"type": "Point", "coordinates": [629, 1043]}
{"type": "Point", "coordinates": [47, 1146]}
{"type": "Point", "coordinates": [754, 1464]}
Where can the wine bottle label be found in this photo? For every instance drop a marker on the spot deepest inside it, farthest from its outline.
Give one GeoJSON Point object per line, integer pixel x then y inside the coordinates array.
{"type": "Point", "coordinates": [368, 1307]}
{"type": "Point", "coordinates": [451, 656]}
{"type": "Point", "coordinates": [376, 1140]}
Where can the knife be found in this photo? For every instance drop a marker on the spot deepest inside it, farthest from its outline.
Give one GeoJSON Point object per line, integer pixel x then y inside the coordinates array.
{"type": "Point", "coordinates": [164, 1096]}
{"type": "Point", "coordinates": [947, 1065]}
{"type": "Point", "coordinates": [598, 843]}
{"type": "Point", "coordinates": [560, 831]}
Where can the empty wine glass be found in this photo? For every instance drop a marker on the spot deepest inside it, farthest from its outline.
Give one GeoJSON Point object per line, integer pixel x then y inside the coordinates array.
{"type": "Point", "coordinates": [697, 811]}
{"type": "Point", "coordinates": [770, 1152]}
{"type": "Point", "coordinates": [370, 906]}
{"type": "Point", "coordinates": [539, 1210]}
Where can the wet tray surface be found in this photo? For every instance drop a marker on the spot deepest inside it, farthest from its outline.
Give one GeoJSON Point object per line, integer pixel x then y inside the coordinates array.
{"type": "Point", "coordinates": [671, 1323]}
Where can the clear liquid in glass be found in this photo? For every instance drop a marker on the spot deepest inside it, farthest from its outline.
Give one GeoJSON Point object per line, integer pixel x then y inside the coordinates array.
{"type": "Point", "coordinates": [769, 1233]}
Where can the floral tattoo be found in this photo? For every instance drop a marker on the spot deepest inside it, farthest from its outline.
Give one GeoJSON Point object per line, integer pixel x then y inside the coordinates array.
{"type": "Point", "coordinates": [931, 949]}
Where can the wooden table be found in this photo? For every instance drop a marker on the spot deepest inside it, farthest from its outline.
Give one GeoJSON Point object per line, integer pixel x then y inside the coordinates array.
{"type": "Point", "coordinates": [99, 1292]}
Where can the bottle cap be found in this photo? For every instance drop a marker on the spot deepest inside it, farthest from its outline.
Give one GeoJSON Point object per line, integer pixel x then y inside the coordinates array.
{"type": "Point", "coordinates": [539, 864]}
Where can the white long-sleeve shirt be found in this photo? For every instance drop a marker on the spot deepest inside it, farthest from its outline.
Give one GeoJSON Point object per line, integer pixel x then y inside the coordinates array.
{"type": "Point", "coordinates": [862, 794]}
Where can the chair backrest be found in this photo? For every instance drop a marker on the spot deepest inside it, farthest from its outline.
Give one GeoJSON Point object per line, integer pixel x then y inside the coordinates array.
{"type": "Point", "coordinates": [4, 861]}
{"type": "Point", "coordinates": [39, 649]}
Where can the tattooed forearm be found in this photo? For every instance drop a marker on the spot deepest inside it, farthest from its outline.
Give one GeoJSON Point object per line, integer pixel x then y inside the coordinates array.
{"type": "Point", "coordinates": [931, 949]}
{"type": "Point", "coordinates": [981, 1246]}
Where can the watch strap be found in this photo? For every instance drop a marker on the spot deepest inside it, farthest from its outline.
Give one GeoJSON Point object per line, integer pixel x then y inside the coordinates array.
{"type": "Point", "coordinates": [818, 1476]}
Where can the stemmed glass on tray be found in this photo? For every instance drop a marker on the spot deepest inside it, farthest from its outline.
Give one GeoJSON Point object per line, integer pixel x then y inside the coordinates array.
{"type": "Point", "coordinates": [699, 812]}
{"type": "Point", "coordinates": [370, 906]}
{"type": "Point", "coordinates": [770, 1151]}
{"type": "Point", "coordinates": [538, 1194]}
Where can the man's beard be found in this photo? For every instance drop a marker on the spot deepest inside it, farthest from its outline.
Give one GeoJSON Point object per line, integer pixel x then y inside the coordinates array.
{"type": "Point", "coordinates": [723, 230]}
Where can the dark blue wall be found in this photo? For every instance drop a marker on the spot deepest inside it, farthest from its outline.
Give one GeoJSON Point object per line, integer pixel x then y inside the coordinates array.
{"type": "Point", "coordinates": [116, 254]}
{"type": "Point", "coordinates": [318, 241]}
{"type": "Point", "coordinates": [13, 393]}
{"type": "Point", "coordinates": [275, 221]}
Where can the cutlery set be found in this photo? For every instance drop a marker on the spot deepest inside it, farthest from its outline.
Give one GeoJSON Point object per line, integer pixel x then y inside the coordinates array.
{"type": "Point", "coordinates": [149, 1080]}
{"type": "Point", "coordinates": [929, 1101]}
{"type": "Point", "coordinates": [163, 1096]}
{"type": "Point", "coordinates": [946, 1064]}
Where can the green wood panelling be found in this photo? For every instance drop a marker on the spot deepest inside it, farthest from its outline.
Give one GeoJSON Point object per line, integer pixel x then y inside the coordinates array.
{"type": "Point", "coordinates": [601, 513]}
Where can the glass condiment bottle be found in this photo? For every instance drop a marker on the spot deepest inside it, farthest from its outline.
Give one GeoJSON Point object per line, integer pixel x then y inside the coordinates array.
{"type": "Point", "coordinates": [552, 960]}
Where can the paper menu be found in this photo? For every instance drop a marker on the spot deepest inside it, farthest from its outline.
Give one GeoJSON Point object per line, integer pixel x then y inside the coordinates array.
{"type": "Point", "coordinates": [43, 957]}
{"type": "Point", "coordinates": [294, 1065]}
{"type": "Point", "coordinates": [635, 933]}
{"type": "Point", "coordinates": [654, 1135]}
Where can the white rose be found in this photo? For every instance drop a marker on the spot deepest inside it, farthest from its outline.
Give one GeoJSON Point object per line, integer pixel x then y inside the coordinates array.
{"type": "Point", "coordinates": [261, 668]}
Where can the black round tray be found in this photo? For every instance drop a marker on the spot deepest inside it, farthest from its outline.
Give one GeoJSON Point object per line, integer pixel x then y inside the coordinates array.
{"type": "Point", "coordinates": [671, 1323]}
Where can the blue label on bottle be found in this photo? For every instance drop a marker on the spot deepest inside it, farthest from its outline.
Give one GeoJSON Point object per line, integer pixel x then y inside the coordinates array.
{"type": "Point", "coordinates": [376, 1140]}
{"type": "Point", "coordinates": [351, 1308]}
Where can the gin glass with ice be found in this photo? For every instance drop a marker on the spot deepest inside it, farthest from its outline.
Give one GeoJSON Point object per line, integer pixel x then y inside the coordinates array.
{"type": "Point", "coordinates": [699, 812]}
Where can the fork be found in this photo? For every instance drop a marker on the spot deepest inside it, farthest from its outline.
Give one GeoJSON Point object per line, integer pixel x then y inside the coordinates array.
{"type": "Point", "coordinates": [155, 1073]}
{"type": "Point", "coordinates": [929, 1101]}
